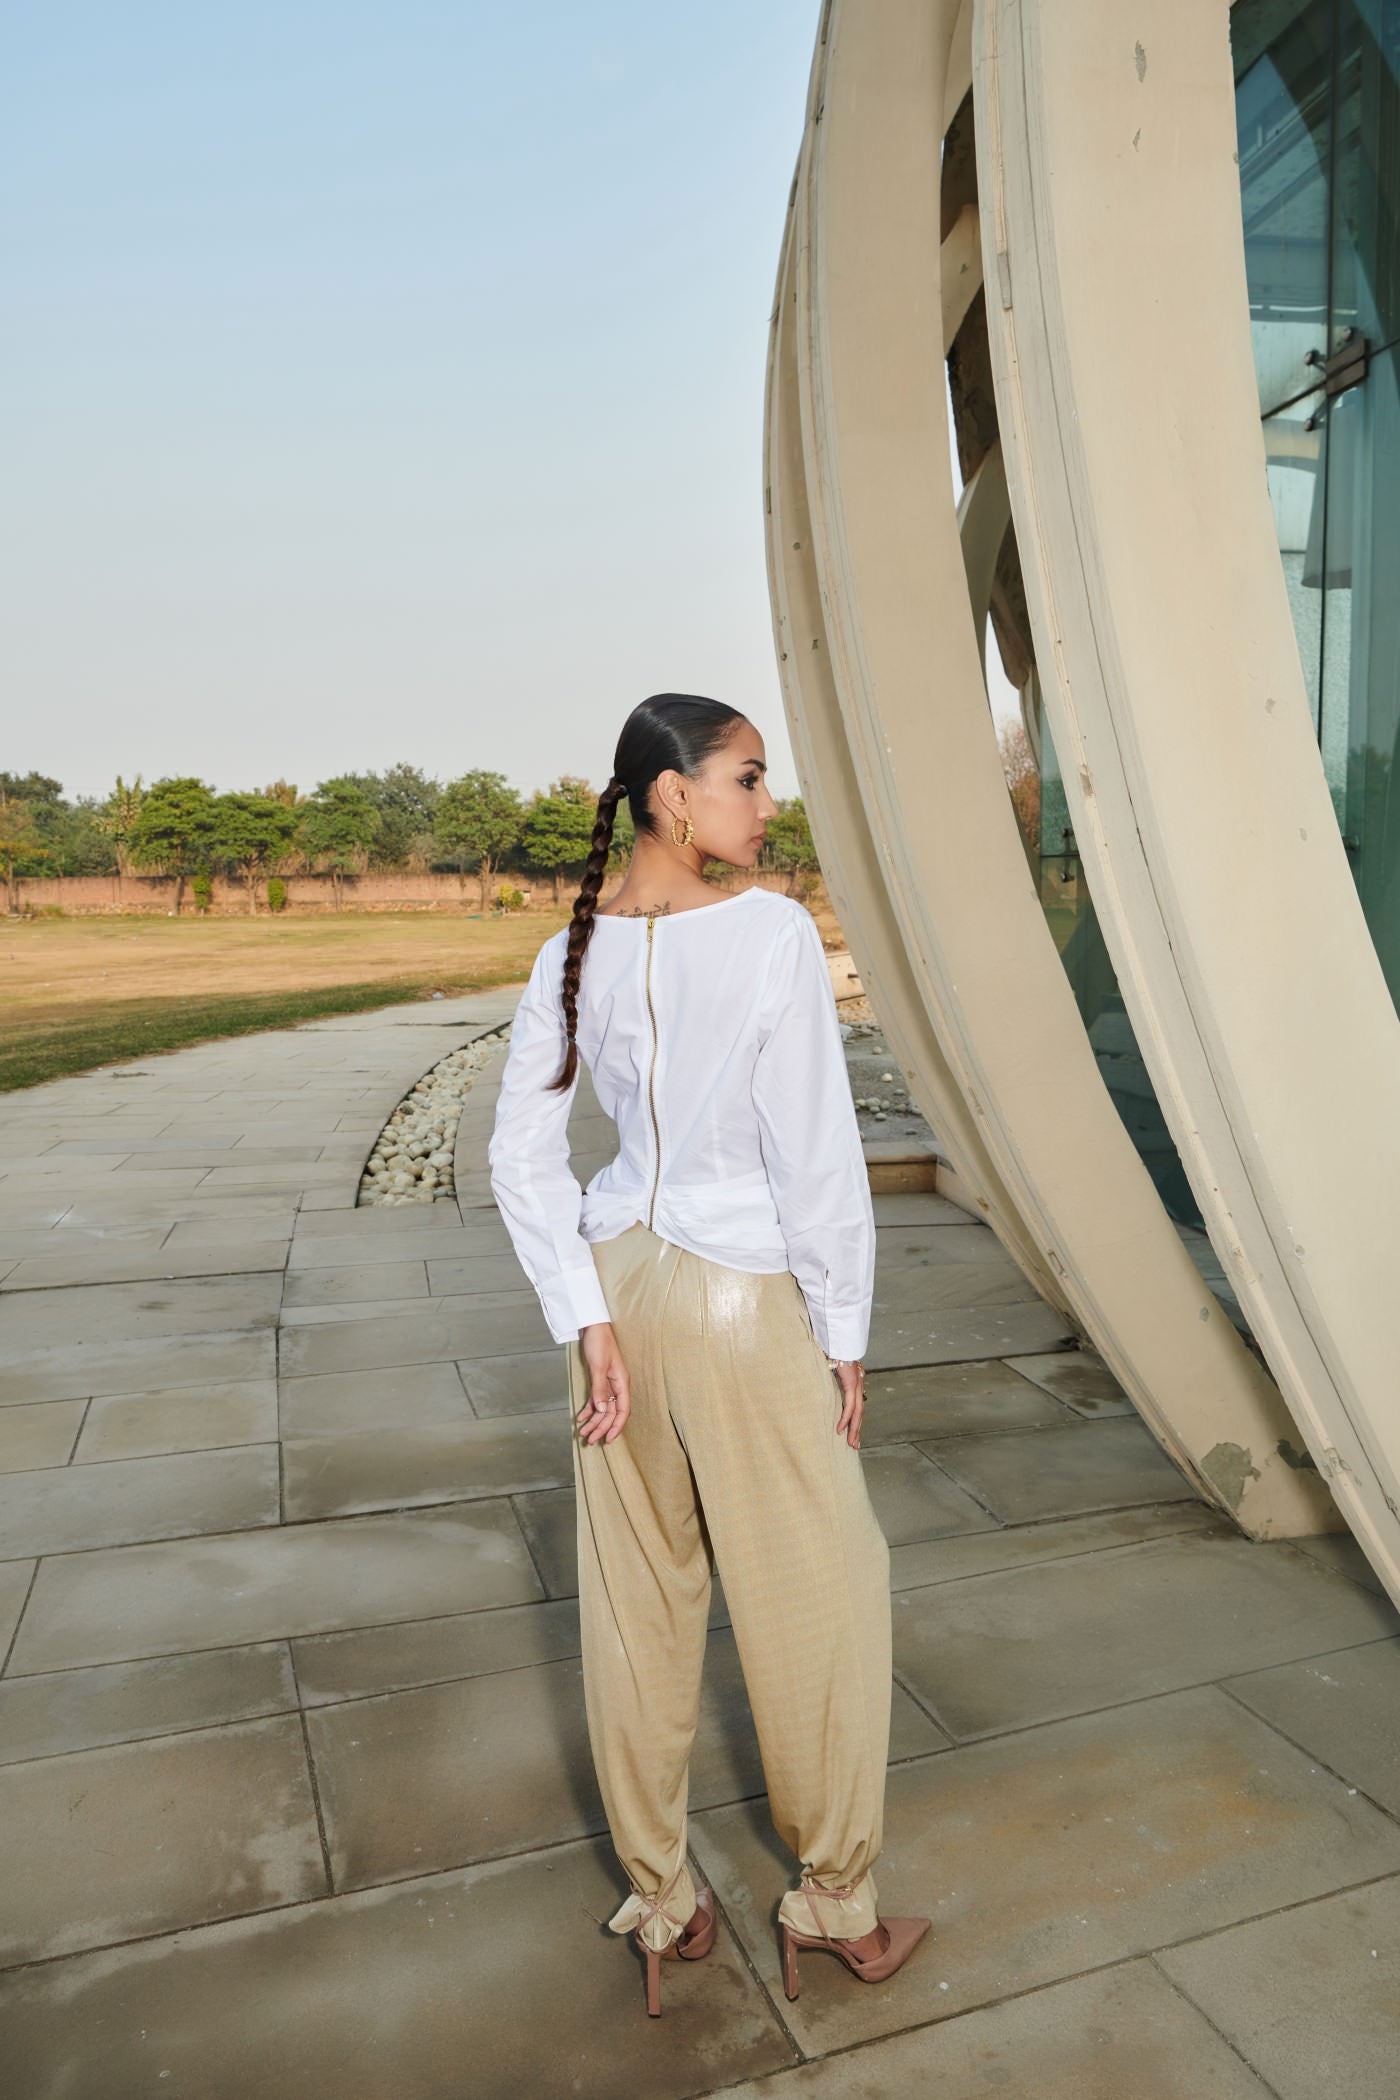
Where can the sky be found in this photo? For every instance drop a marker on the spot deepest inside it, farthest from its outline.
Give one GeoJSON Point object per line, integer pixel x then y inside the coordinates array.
{"type": "Point", "coordinates": [384, 383]}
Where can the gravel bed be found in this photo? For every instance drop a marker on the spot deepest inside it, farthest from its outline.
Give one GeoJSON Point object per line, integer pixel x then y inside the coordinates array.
{"type": "Point", "coordinates": [412, 1158]}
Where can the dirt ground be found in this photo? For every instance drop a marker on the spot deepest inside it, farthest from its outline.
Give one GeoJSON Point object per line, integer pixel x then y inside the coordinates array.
{"type": "Point", "coordinates": [50, 967]}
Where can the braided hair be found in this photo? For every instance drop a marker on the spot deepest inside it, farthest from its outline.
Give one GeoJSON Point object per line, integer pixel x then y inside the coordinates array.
{"type": "Point", "coordinates": [675, 730]}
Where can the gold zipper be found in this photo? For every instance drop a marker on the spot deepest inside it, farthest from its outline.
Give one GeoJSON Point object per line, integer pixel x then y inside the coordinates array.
{"type": "Point", "coordinates": [651, 1095]}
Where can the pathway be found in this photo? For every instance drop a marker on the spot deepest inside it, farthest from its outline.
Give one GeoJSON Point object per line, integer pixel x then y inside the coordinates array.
{"type": "Point", "coordinates": [293, 1774]}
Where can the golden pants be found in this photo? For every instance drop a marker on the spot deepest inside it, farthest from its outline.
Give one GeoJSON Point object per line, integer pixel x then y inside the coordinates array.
{"type": "Point", "coordinates": [730, 1460]}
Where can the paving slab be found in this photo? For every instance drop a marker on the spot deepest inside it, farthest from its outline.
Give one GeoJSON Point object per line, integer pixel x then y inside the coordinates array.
{"type": "Point", "coordinates": [1078, 1377]}
{"type": "Point", "coordinates": [411, 1990]}
{"type": "Point", "coordinates": [334, 1666]}
{"type": "Point", "coordinates": [1059, 1849]}
{"type": "Point", "coordinates": [914, 1498]}
{"type": "Point", "coordinates": [16, 1581]}
{"type": "Point", "coordinates": [1342, 1708]}
{"type": "Point", "coordinates": [956, 1242]}
{"type": "Point", "coordinates": [1027, 1644]}
{"type": "Point", "coordinates": [924, 1287]}
{"type": "Point", "coordinates": [123, 1312]}
{"type": "Point", "coordinates": [549, 1521]}
{"type": "Point", "coordinates": [80, 1370]}
{"type": "Point", "coordinates": [473, 1275]}
{"type": "Point", "coordinates": [435, 1462]}
{"type": "Point", "coordinates": [140, 1160]}
{"type": "Point", "coordinates": [63, 1509]}
{"type": "Point", "coordinates": [928, 1561]}
{"type": "Point", "coordinates": [906, 1337]}
{"type": "Point", "coordinates": [271, 1221]}
{"type": "Point", "coordinates": [185, 1418]}
{"type": "Point", "coordinates": [352, 1284]}
{"type": "Point", "coordinates": [334, 1242]}
{"type": "Point", "coordinates": [68, 1710]}
{"type": "Point", "coordinates": [130, 1601]}
{"type": "Point", "coordinates": [100, 1180]}
{"type": "Point", "coordinates": [1121, 2034]}
{"type": "Point", "coordinates": [903, 1208]}
{"type": "Point", "coordinates": [42, 1435]}
{"type": "Point", "coordinates": [342, 1403]}
{"type": "Point", "coordinates": [143, 1811]}
{"type": "Point", "coordinates": [19, 1245]}
{"type": "Point", "coordinates": [351, 1309]}
{"type": "Point", "coordinates": [443, 1330]}
{"type": "Point", "coordinates": [124, 1264]}
{"type": "Point", "coordinates": [1311, 1998]}
{"type": "Point", "coordinates": [1063, 1470]}
{"type": "Point", "coordinates": [516, 1384]}
{"type": "Point", "coordinates": [296, 1174]}
{"type": "Point", "coordinates": [154, 1142]}
{"type": "Point", "coordinates": [931, 1401]}
{"type": "Point", "coordinates": [1341, 1552]}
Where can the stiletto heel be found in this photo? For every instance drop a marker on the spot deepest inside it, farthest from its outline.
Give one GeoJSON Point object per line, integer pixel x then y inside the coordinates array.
{"type": "Point", "coordinates": [789, 1964]}
{"type": "Point", "coordinates": [688, 1946]}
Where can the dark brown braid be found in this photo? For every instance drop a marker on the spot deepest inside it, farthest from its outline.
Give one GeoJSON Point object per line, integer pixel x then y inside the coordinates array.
{"type": "Point", "coordinates": [581, 925]}
{"type": "Point", "coordinates": [677, 730]}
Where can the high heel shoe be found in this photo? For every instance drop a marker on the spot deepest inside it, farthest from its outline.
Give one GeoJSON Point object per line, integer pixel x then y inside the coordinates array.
{"type": "Point", "coordinates": [690, 1946]}
{"type": "Point", "coordinates": [904, 1937]}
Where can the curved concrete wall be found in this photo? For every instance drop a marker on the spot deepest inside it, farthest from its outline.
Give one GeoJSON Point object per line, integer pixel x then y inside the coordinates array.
{"type": "Point", "coordinates": [883, 685]}
{"type": "Point", "coordinates": [1174, 691]}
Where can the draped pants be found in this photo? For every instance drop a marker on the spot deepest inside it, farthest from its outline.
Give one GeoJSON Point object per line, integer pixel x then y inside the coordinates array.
{"type": "Point", "coordinates": [730, 1461]}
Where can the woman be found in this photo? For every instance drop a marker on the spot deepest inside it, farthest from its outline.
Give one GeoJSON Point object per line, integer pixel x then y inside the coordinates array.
{"type": "Point", "coordinates": [709, 1282]}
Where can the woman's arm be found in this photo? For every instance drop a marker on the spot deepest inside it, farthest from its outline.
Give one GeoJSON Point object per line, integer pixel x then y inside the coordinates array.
{"type": "Point", "coordinates": [536, 1190]}
{"type": "Point", "coordinates": [811, 1145]}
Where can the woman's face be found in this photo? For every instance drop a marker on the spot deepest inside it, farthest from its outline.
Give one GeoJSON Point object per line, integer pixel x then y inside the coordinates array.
{"type": "Point", "coordinates": [729, 803]}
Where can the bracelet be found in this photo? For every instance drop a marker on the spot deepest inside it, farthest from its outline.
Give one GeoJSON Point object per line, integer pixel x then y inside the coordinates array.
{"type": "Point", "coordinates": [840, 1363]}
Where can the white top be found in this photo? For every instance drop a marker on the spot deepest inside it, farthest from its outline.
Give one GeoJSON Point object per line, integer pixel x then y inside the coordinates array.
{"type": "Point", "coordinates": [713, 1043]}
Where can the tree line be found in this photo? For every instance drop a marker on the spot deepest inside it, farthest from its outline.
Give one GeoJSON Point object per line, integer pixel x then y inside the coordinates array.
{"type": "Point", "coordinates": [398, 820]}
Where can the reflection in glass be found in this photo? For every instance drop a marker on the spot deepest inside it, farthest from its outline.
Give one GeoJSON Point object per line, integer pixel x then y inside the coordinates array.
{"type": "Point", "coordinates": [1069, 910]}
{"type": "Point", "coordinates": [1365, 290]}
{"type": "Point", "coordinates": [1282, 51]}
{"type": "Point", "coordinates": [1293, 453]}
{"type": "Point", "coordinates": [1359, 583]}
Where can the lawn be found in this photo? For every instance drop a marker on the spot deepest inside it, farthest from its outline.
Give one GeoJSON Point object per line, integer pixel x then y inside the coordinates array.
{"type": "Point", "coordinates": [75, 993]}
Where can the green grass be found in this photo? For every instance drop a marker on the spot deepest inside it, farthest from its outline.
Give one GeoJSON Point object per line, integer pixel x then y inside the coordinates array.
{"type": "Point", "coordinates": [52, 1046]}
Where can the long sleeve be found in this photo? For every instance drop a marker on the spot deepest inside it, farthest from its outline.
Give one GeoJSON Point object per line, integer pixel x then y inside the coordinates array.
{"type": "Point", "coordinates": [536, 1190]}
{"type": "Point", "coordinates": [811, 1145]}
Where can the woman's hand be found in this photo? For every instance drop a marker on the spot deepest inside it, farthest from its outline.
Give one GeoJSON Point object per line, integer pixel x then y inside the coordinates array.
{"type": "Point", "coordinates": [851, 1379]}
{"type": "Point", "coordinates": [604, 1414]}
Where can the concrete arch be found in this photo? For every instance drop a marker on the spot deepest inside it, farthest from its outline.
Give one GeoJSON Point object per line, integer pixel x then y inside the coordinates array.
{"type": "Point", "coordinates": [1174, 690]}
{"type": "Point", "coordinates": [902, 710]}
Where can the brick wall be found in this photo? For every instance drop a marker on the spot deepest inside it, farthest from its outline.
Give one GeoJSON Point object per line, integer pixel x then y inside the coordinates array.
{"type": "Point", "coordinates": [81, 894]}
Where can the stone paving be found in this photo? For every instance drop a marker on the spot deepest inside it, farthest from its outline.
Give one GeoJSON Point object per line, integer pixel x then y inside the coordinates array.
{"type": "Point", "coordinates": [294, 1779]}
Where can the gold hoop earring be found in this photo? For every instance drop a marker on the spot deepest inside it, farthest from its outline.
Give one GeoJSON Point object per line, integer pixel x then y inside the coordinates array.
{"type": "Point", "coordinates": [689, 833]}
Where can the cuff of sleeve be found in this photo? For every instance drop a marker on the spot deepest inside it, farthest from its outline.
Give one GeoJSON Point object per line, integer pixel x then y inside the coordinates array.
{"type": "Point", "coordinates": [842, 1335]}
{"type": "Point", "coordinates": [577, 1303]}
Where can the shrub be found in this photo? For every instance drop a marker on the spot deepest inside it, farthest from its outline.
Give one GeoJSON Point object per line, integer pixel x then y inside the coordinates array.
{"type": "Point", "coordinates": [276, 894]}
{"type": "Point", "coordinates": [508, 899]}
{"type": "Point", "coordinates": [202, 890]}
